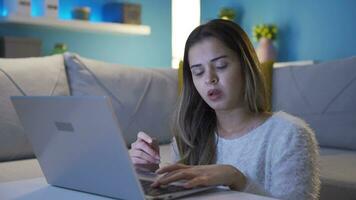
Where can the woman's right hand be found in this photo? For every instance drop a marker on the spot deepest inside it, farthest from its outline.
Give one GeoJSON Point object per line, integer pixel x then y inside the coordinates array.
{"type": "Point", "coordinates": [144, 152]}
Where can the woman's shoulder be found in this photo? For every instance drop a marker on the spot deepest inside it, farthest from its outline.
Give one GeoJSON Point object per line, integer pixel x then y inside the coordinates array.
{"type": "Point", "coordinates": [295, 137]}
{"type": "Point", "coordinates": [287, 120]}
{"type": "Point", "coordinates": [288, 126]}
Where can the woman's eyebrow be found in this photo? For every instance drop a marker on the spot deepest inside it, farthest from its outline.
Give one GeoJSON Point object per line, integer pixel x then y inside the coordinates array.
{"type": "Point", "coordinates": [217, 58]}
{"type": "Point", "coordinates": [212, 60]}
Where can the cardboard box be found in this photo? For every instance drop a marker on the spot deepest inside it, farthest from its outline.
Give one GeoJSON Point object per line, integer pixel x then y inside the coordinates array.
{"type": "Point", "coordinates": [132, 13]}
{"type": "Point", "coordinates": [127, 13]}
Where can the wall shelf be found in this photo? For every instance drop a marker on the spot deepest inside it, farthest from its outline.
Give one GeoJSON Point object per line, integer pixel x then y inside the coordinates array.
{"type": "Point", "coordinates": [79, 25]}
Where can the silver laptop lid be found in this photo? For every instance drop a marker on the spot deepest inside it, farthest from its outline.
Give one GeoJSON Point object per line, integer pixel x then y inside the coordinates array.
{"type": "Point", "coordinates": [79, 145]}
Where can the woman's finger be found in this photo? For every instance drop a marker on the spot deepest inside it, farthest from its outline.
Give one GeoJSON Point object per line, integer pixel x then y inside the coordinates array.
{"type": "Point", "coordinates": [181, 175]}
{"type": "Point", "coordinates": [198, 181]}
{"type": "Point", "coordinates": [137, 160]}
{"type": "Point", "coordinates": [145, 137]}
{"type": "Point", "coordinates": [143, 155]}
{"type": "Point", "coordinates": [170, 168]}
{"type": "Point", "coordinates": [143, 146]}
{"type": "Point", "coordinates": [153, 142]}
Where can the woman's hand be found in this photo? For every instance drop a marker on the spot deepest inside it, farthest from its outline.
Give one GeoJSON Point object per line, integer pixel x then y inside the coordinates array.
{"type": "Point", "coordinates": [202, 175]}
{"type": "Point", "coordinates": [144, 152]}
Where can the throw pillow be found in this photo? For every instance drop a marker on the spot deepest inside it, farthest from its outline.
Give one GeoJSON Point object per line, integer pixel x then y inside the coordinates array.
{"type": "Point", "coordinates": [43, 76]}
{"type": "Point", "coordinates": [143, 99]}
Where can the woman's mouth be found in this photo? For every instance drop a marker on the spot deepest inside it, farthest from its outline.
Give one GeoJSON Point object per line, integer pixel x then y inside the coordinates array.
{"type": "Point", "coordinates": [214, 94]}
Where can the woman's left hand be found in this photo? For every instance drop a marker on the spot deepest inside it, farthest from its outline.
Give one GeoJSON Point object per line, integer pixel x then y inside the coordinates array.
{"type": "Point", "coordinates": [202, 175]}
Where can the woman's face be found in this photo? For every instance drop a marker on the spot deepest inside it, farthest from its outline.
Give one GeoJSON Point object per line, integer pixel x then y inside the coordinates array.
{"type": "Point", "coordinates": [216, 73]}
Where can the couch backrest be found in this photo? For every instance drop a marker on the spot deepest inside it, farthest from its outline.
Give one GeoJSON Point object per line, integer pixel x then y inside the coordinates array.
{"type": "Point", "coordinates": [143, 99]}
{"type": "Point", "coordinates": [324, 95]}
{"type": "Point", "coordinates": [44, 76]}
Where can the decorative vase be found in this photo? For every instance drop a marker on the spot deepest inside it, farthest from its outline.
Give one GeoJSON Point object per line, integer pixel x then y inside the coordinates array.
{"type": "Point", "coordinates": [266, 50]}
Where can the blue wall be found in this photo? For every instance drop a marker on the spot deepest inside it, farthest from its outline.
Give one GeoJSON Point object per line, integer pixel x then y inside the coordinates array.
{"type": "Point", "coordinates": [317, 30]}
{"type": "Point", "coordinates": [152, 50]}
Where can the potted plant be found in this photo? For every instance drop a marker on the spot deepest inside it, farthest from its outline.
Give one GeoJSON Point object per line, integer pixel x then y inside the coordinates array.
{"type": "Point", "coordinates": [265, 34]}
{"type": "Point", "coordinates": [227, 13]}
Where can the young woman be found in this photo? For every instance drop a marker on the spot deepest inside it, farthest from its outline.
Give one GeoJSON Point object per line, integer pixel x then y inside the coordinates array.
{"type": "Point", "coordinates": [223, 134]}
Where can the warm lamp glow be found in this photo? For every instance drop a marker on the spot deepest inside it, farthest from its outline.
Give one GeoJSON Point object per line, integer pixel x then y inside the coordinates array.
{"type": "Point", "coordinates": [185, 17]}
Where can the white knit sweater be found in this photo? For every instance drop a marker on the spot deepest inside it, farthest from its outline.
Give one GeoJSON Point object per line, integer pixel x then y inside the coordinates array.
{"type": "Point", "coordinates": [279, 158]}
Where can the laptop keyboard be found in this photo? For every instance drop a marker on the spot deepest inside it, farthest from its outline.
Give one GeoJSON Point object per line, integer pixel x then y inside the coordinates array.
{"type": "Point", "coordinates": [167, 189]}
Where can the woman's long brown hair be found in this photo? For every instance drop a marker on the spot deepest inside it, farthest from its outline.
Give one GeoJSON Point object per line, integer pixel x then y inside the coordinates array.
{"type": "Point", "coordinates": [195, 123]}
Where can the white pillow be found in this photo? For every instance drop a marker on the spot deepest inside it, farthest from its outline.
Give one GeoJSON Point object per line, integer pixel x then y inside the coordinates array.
{"type": "Point", "coordinates": [43, 76]}
{"type": "Point", "coordinates": [143, 99]}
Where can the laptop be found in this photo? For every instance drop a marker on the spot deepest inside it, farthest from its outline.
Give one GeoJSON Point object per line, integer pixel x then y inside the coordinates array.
{"type": "Point", "coordinates": [79, 146]}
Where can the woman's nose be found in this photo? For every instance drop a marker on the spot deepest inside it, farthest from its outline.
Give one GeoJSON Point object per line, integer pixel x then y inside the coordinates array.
{"type": "Point", "coordinates": [211, 78]}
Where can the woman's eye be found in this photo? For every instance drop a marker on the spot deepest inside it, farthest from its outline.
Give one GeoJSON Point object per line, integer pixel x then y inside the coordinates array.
{"type": "Point", "coordinates": [222, 66]}
{"type": "Point", "coordinates": [197, 73]}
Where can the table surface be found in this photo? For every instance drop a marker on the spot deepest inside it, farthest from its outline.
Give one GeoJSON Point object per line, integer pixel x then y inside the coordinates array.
{"type": "Point", "coordinates": [38, 189]}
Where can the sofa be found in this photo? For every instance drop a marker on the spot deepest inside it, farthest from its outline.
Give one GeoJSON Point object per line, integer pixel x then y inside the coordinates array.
{"type": "Point", "coordinates": [144, 99]}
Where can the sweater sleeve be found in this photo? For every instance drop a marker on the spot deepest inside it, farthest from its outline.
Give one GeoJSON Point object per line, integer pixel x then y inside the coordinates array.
{"type": "Point", "coordinates": [294, 173]}
{"type": "Point", "coordinates": [255, 188]}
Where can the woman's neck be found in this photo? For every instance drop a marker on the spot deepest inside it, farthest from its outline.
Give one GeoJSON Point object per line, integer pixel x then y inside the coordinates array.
{"type": "Point", "coordinates": [235, 123]}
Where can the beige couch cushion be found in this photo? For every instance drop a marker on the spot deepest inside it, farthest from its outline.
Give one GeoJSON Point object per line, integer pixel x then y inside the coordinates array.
{"type": "Point", "coordinates": [338, 174]}
{"type": "Point", "coordinates": [30, 168]}
{"type": "Point", "coordinates": [26, 76]}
